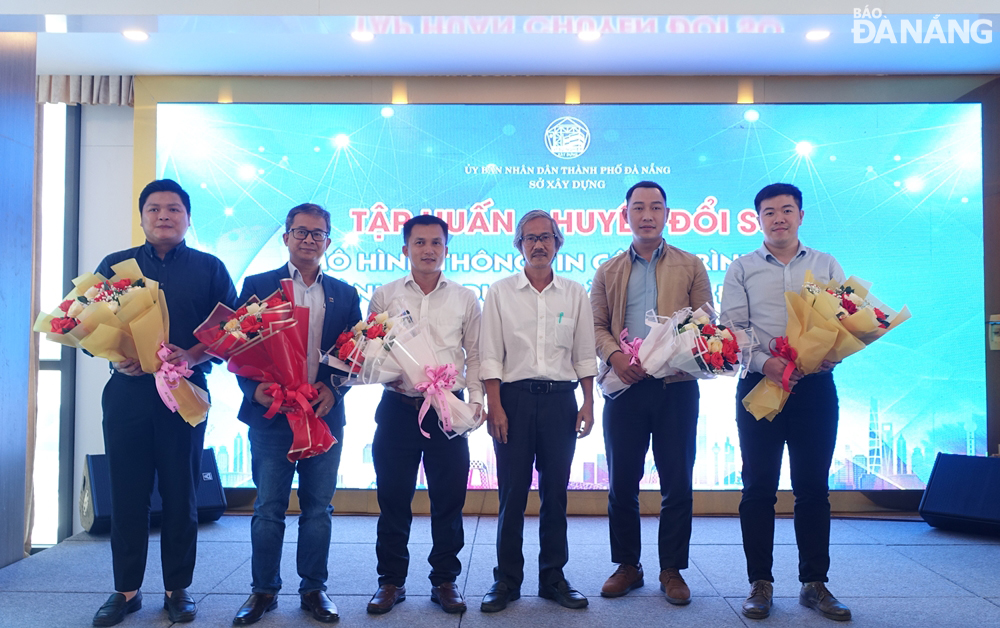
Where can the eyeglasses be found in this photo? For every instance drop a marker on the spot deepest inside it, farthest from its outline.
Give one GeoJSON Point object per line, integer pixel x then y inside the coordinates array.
{"type": "Point", "coordinates": [318, 235]}
{"type": "Point", "coordinates": [544, 238]}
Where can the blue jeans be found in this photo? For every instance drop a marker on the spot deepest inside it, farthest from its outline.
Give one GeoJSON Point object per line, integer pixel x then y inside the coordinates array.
{"type": "Point", "coordinates": [272, 474]}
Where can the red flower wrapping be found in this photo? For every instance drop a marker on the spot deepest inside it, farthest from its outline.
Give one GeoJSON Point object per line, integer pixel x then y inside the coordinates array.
{"type": "Point", "coordinates": [277, 355]}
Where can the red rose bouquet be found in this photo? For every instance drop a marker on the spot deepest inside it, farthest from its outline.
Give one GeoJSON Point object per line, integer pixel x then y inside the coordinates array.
{"type": "Point", "coordinates": [266, 341]}
{"type": "Point", "coordinates": [707, 349]}
{"type": "Point", "coordinates": [363, 353]}
{"type": "Point", "coordinates": [125, 317]}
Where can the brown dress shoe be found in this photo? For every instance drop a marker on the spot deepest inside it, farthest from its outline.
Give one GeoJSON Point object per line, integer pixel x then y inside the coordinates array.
{"type": "Point", "coordinates": [449, 597]}
{"type": "Point", "coordinates": [320, 605]}
{"type": "Point", "coordinates": [623, 580]}
{"type": "Point", "coordinates": [387, 596]}
{"type": "Point", "coordinates": [816, 595]}
{"type": "Point", "coordinates": [673, 585]}
{"type": "Point", "coordinates": [758, 603]}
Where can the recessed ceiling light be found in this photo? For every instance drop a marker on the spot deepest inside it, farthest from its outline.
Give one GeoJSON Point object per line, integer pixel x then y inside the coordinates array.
{"type": "Point", "coordinates": [135, 35]}
{"type": "Point", "coordinates": [55, 23]}
{"type": "Point", "coordinates": [362, 35]}
{"type": "Point", "coordinates": [589, 35]}
{"type": "Point", "coordinates": [817, 35]}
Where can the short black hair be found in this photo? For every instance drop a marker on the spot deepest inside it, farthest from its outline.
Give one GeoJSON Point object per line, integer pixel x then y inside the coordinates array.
{"type": "Point", "coordinates": [307, 208]}
{"type": "Point", "coordinates": [777, 189]}
{"type": "Point", "coordinates": [165, 185]}
{"type": "Point", "coordinates": [645, 184]}
{"type": "Point", "coordinates": [423, 219]}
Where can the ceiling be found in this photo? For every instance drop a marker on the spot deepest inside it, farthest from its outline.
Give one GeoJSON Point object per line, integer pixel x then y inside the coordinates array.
{"type": "Point", "coordinates": [438, 44]}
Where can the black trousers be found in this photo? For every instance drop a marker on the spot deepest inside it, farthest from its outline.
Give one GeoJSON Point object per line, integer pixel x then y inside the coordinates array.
{"type": "Point", "coordinates": [808, 425]}
{"type": "Point", "coordinates": [541, 432]}
{"type": "Point", "coordinates": [667, 414]}
{"type": "Point", "coordinates": [141, 436]}
{"type": "Point", "coordinates": [397, 451]}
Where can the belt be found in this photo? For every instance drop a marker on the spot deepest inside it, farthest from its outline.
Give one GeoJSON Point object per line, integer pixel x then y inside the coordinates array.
{"type": "Point", "coordinates": [542, 386]}
{"type": "Point", "coordinates": [416, 402]}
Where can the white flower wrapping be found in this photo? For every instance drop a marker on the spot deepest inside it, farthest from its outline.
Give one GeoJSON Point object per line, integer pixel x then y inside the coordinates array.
{"type": "Point", "coordinates": [414, 353]}
{"type": "Point", "coordinates": [654, 352]}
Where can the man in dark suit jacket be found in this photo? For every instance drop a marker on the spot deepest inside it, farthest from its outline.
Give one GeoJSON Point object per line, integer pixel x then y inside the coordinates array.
{"type": "Point", "coordinates": [334, 306]}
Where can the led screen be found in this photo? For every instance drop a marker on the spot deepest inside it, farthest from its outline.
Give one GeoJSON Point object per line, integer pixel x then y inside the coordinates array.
{"type": "Point", "coordinates": [893, 191]}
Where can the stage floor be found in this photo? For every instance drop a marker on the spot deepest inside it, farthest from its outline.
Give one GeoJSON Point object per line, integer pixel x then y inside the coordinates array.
{"type": "Point", "coordinates": [890, 573]}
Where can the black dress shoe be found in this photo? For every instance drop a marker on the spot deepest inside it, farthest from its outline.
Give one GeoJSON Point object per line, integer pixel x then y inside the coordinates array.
{"type": "Point", "coordinates": [320, 605]}
{"type": "Point", "coordinates": [255, 607]}
{"type": "Point", "coordinates": [497, 597]}
{"type": "Point", "coordinates": [180, 606]}
{"type": "Point", "coordinates": [564, 594]}
{"type": "Point", "coordinates": [116, 608]}
{"type": "Point", "coordinates": [449, 597]}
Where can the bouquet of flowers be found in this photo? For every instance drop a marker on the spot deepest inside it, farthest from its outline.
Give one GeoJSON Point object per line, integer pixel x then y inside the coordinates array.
{"type": "Point", "coordinates": [707, 349]}
{"type": "Point", "coordinates": [391, 347]}
{"type": "Point", "coordinates": [266, 341]}
{"type": "Point", "coordinates": [362, 353]}
{"type": "Point", "coordinates": [824, 323]}
{"type": "Point", "coordinates": [652, 352]}
{"type": "Point", "coordinates": [125, 317]}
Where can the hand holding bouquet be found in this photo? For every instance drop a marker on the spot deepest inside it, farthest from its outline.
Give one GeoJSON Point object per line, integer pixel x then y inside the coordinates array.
{"type": "Point", "coordinates": [651, 352]}
{"type": "Point", "coordinates": [125, 317]}
{"type": "Point", "coordinates": [265, 341]}
{"type": "Point", "coordinates": [825, 323]}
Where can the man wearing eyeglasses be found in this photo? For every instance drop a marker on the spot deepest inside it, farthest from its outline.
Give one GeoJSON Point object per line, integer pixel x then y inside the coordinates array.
{"type": "Point", "coordinates": [650, 275]}
{"type": "Point", "coordinates": [537, 345]}
{"type": "Point", "coordinates": [333, 307]}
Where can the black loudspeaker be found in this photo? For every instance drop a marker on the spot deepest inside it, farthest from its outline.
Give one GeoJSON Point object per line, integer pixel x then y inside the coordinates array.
{"type": "Point", "coordinates": [95, 495]}
{"type": "Point", "coordinates": [963, 494]}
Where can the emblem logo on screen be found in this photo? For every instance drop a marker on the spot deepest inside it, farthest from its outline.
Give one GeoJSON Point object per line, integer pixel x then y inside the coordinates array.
{"type": "Point", "coordinates": [567, 138]}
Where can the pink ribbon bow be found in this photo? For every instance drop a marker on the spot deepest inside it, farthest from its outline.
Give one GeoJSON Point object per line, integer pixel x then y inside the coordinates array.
{"type": "Point", "coordinates": [168, 377]}
{"type": "Point", "coordinates": [442, 378]}
{"type": "Point", "coordinates": [630, 349]}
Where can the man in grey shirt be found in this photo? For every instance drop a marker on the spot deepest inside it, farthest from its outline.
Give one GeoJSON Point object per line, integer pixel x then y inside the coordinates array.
{"type": "Point", "coordinates": [753, 296]}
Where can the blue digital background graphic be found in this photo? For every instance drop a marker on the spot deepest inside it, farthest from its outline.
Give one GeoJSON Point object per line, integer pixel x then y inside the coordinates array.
{"type": "Point", "coordinates": [894, 191]}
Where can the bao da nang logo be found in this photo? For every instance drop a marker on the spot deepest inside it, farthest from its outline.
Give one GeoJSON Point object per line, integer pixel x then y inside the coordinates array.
{"type": "Point", "coordinates": [873, 27]}
{"type": "Point", "coordinates": [567, 138]}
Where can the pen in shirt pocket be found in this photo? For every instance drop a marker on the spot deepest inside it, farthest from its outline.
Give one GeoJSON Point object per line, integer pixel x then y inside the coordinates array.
{"type": "Point", "coordinates": [560, 317]}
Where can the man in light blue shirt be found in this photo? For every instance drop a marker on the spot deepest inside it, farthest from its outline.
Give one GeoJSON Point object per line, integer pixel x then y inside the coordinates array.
{"type": "Point", "coordinates": [753, 296]}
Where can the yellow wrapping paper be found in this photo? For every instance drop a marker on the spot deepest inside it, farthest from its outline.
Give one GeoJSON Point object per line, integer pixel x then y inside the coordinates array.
{"type": "Point", "coordinates": [816, 334]}
{"type": "Point", "coordinates": [135, 331]}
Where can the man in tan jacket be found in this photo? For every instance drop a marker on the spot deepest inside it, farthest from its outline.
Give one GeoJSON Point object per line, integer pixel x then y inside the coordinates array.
{"type": "Point", "coordinates": [651, 274]}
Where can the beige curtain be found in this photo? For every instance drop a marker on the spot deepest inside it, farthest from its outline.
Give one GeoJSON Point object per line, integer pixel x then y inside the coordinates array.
{"type": "Point", "coordinates": [75, 89]}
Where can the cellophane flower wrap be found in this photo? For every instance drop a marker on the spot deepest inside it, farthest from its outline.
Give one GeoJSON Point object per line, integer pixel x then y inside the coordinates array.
{"type": "Point", "coordinates": [391, 347]}
{"type": "Point", "coordinates": [125, 317]}
{"type": "Point", "coordinates": [415, 354]}
{"type": "Point", "coordinates": [828, 322]}
{"type": "Point", "coordinates": [362, 354]}
{"type": "Point", "coordinates": [266, 341]}
{"type": "Point", "coordinates": [652, 352]}
{"type": "Point", "coordinates": [707, 348]}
